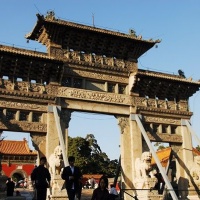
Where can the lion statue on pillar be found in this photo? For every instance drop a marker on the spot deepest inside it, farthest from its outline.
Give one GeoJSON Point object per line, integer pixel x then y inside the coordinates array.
{"type": "Point", "coordinates": [143, 165]}
{"type": "Point", "coordinates": [56, 163]}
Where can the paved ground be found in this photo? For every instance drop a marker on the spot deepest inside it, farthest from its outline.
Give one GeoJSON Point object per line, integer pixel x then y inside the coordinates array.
{"type": "Point", "coordinates": [86, 194]}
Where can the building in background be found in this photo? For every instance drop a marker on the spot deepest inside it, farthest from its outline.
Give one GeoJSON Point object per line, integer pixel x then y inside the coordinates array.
{"type": "Point", "coordinates": [17, 159]}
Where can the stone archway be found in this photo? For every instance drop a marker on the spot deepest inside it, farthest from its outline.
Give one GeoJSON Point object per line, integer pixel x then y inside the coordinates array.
{"type": "Point", "coordinates": [93, 70]}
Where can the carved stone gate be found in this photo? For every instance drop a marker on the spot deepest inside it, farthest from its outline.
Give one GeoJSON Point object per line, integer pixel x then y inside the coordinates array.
{"type": "Point", "coordinates": [94, 70]}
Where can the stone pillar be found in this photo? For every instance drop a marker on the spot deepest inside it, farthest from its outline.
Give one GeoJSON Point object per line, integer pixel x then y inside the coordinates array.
{"type": "Point", "coordinates": [57, 190]}
{"type": "Point", "coordinates": [39, 143]}
{"type": "Point", "coordinates": [185, 157]}
{"type": "Point", "coordinates": [131, 148]}
{"type": "Point", "coordinates": [65, 119]}
{"type": "Point", "coordinates": [52, 138]}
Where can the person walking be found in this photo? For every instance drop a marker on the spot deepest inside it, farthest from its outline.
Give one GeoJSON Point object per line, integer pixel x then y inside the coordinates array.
{"type": "Point", "coordinates": [92, 182]}
{"type": "Point", "coordinates": [10, 187]}
{"type": "Point", "coordinates": [101, 192]}
{"type": "Point", "coordinates": [113, 192]}
{"type": "Point", "coordinates": [72, 176]}
{"type": "Point", "coordinates": [41, 178]}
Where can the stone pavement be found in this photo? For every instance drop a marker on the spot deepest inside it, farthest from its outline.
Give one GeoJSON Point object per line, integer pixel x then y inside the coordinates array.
{"type": "Point", "coordinates": [28, 193]}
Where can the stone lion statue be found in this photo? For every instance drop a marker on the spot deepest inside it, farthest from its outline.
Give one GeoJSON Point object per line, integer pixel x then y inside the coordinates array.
{"type": "Point", "coordinates": [56, 162]}
{"type": "Point", "coordinates": [195, 170]}
{"type": "Point", "coordinates": [143, 165]}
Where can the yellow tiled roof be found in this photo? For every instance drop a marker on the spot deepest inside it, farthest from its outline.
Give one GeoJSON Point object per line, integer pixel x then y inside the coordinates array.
{"type": "Point", "coordinates": [164, 154]}
{"type": "Point", "coordinates": [15, 148]}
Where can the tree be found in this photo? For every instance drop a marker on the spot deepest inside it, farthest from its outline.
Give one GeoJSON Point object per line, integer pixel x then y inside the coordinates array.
{"type": "Point", "coordinates": [89, 156]}
{"type": "Point", "coordinates": [159, 146]}
{"type": "Point", "coordinates": [198, 147]}
{"type": "Point", "coordinates": [79, 148]}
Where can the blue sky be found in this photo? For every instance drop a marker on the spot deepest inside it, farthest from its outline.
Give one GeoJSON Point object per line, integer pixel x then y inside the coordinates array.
{"type": "Point", "coordinates": [175, 22]}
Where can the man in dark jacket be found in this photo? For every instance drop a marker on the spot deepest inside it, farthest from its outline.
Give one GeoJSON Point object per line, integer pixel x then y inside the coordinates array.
{"type": "Point", "coordinates": [10, 187]}
{"type": "Point", "coordinates": [72, 176]}
{"type": "Point", "coordinates": [41, 179]}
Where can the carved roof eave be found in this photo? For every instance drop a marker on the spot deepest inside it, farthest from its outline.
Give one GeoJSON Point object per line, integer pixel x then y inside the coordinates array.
{"type": "Point", "coordinates": [44, 25]}
{"type": "Point", "coordinates": [159, 75]}
{"type": "Point", "coordinates": [34, 97]}
{"type": "Point", "coordinates": [24, 52]}
{"type": "Point", "coordinates": [163, 112]}
{"type": "Point", "coordinates": [41, 21]}
{"type": "Point", "coordinates": [71, 62]}
{"type": "Point", "coordinates": [151, 84]}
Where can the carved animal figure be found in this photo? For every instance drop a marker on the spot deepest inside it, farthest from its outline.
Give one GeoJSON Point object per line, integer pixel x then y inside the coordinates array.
{"type": "Point", "coordinates": [143, 165]}
{"type": "Point", "coordinates": [56, 162]}
{"type": "Point", "coordinates": [195, 170]}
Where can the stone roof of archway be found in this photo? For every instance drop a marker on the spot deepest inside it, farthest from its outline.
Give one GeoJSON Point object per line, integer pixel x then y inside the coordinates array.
{"type": "Point", "coordinates": [164, 86]}
{"type": "Point", "coordinates": [12, 147]}
{"type": "Point", "coordinates": [50, 30]}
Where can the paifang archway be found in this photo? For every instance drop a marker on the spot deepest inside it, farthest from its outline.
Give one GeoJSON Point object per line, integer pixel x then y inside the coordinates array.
{"type": "Point", "coordinates": [92, 69]}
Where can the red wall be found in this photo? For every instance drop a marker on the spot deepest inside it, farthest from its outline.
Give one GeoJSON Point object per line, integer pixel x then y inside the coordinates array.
{"type": "Point", "coordinates": [8, 170]}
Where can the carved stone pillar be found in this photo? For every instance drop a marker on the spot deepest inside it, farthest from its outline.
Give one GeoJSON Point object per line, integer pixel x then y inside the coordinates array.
{"type": "Point", "coordinates": [185, 157]}
{"type": "Point", "coordinates": [131, 148]}
{"type": "Point", "coordinates": [39, 143]}
{"type": "Point", "coordinates": [58, 190]}
{"type": "Point", "coordinates": [52, 136]}
{"type": "Point", "coordinates": [65, 119]}
{"type": "Point", "coordinates": [188, 168]}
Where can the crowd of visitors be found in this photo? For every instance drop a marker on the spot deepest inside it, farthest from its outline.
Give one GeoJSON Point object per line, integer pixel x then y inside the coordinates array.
{"type": "Point", "coordinates": [41, 180]}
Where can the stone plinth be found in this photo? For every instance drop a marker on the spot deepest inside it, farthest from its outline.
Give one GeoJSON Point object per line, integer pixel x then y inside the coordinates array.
{"type": "Point", "coordinates": [144, 187]}
{"type": "Point", "coordinates": [57, 190]}
{"type": "Point", "coordinates": [193, 194]}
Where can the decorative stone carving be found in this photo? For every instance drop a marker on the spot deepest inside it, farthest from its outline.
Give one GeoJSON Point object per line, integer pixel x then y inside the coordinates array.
{"type": "Point", "coordinates": [162, 120]}
{"type": "Point", "coordinates": [161, 104]}
{"type": "Point", "coordinates": [94, 96]}
{"type": "Point", "coordinates": [23, 106]}
{"type": "Point", "coordinates": [56, 162]}
{"type": "Point", "coordinates": [195, 171]}
{"type": "Point", "coordinates": [23, 126]}
{"type": "Point", "coordinates": [37, 139]}
{"type": "Point", "coordinates": [143, 165]}
{"type": "Point", "coordinates": [123, 123]}
{"type": "Point", "coordinates": [66, 117]}
{"type": "Point", "coordinates": [52, 89]}
{"type": "Point", "coordinates": [101, 76]}
{"type": "Point", "coordinates": [9, 85]}
{"type": "Point", "coordinates": [22, 86]}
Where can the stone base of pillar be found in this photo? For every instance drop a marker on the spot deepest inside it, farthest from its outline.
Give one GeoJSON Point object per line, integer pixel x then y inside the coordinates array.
{"type": "Point", "coordinates": [193, 194]}
{"type": "Point", "coordinates": [150, 195]}
{"type": "Point", "coordinates": [193, 197]}
{"type": "Point", "coordinates": [57, 190]}
{"type": "Point", "coordinates": [144, 189]}
{"type": "Point", "coordinates": [52, 197]}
